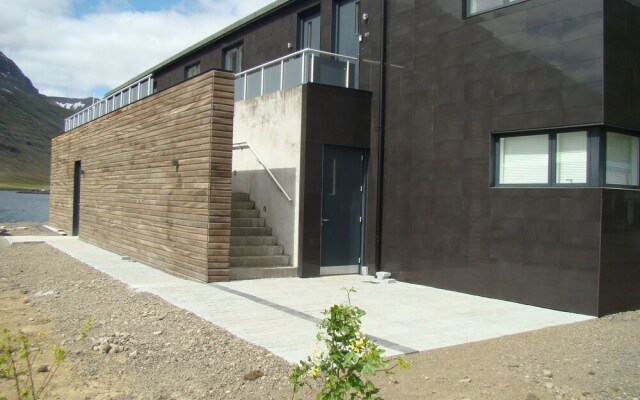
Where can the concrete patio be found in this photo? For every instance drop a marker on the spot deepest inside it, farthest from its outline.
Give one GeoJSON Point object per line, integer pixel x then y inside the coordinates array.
{"type": "Point", "coordinates": [281, 314]}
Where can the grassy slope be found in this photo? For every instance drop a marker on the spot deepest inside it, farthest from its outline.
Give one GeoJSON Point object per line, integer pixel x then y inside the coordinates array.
{"type": "Point", "coordinates": [27, 124]}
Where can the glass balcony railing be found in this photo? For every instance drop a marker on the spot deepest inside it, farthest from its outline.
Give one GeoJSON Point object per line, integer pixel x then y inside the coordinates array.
{"type": "Point", "coordinates": [127, 95]}
{"type": "Point", "coordinates": [295, 69]}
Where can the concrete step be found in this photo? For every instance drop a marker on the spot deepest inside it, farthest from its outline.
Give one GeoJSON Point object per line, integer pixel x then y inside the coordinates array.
{"type": "Point", "coordinates": [243, 205]}
{"type": "Point", "coordinates": [243, 251]}
{"type": "Point", "coordinates": [239, 196]}
{"type": "Point", "coordinates": [250, 231]}
{"type": "Point", "coordinates": [256, 251]}
{"type": "Point", "coordinates": [245, 213]}
{"type": "Point", "coordinates": [253, 241]}
{"type": "Point", "coordinates": [259, 261]}
{"type": "Point", "coordinates": [244, 273]}
{"type": "Point", "coordinates": [247, 222]}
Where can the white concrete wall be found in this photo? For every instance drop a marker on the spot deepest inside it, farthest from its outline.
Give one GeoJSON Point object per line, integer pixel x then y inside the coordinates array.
{"type": "Point", "coordinates": [272, 125]}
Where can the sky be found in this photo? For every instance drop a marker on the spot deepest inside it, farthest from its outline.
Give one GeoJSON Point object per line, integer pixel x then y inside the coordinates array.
{"type": "Point", "coordinates": [83, 48]}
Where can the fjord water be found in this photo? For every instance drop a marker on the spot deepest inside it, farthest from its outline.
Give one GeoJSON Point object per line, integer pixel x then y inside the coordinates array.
{"type": "Point", "coordinates": [18, 207]}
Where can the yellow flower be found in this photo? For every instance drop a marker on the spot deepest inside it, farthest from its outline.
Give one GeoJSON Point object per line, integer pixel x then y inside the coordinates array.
{"type": "Point", "coordinates": [314, 372]}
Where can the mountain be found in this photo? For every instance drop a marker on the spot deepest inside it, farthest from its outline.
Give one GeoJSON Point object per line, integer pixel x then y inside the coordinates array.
{"type": "Point", "coordinates": [72, 103]}
{"type": "Point", "coordinates": [28, 121]}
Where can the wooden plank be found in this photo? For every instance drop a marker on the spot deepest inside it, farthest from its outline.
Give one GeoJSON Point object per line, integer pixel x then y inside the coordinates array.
{"type": "Point", "coordinates": [133, 200]}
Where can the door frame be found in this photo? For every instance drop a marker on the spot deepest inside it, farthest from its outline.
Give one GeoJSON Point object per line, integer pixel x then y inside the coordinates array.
{"type": "Point", "coordinates": [336, 24]}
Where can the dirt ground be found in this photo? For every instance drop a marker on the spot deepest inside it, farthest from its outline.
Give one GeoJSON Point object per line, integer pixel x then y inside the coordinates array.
{"type": "Point", "coordinates": [141, 347]}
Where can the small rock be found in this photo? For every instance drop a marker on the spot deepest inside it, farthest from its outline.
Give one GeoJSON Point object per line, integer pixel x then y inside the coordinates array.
{"type": "Point", "coordinates": [548, 385]}
{"type": "Point", "coordinates": [105, 348]}
{"type": "Point", "coordinates": [532, 396]}
{"type": "Point", "coordinates": [253, 375]}
{"type": "Point", "coordinates": [42, 368]}
{"type": "Point", "coordinates": [157, 333]}
{"type": "Point", "coordinates": [465, 380]}
{"type": "Point", "coordinates": [547, 373]}
{"type": "Point", "coordinates": [133, 354]}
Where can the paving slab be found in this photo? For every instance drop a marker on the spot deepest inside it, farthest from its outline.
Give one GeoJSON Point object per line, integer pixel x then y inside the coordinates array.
{"type": "Point", "coordinates": [281, 314]}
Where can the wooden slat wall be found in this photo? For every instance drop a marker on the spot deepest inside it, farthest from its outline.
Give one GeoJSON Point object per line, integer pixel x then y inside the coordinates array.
{"type": "Point", "coordinates": [133, 201]}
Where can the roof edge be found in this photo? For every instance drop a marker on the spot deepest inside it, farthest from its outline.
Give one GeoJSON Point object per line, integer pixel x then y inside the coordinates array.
{"type": "Point", "coordinates": [262, 12]}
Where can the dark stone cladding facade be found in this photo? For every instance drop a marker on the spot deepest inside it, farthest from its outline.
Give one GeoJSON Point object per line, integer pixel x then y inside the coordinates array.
{"type": "Point", "coordinates": [453, 82]}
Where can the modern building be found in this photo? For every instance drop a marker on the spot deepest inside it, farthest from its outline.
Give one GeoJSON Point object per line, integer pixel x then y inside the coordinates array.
{"type": "Point", "coordinates": [485, 146]}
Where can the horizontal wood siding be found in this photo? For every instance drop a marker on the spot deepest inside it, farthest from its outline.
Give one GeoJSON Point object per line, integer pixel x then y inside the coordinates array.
{"type": "Point", "coordinates": [133, 201]}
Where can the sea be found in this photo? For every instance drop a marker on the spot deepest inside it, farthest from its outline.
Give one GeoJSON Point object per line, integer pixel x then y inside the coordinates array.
{"type": "Point", "coordinates": [22, 207]}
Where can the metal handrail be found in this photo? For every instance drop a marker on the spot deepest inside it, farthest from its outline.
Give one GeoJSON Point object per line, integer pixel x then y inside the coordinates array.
{"type": "Point", "coordinates": [246, 145]}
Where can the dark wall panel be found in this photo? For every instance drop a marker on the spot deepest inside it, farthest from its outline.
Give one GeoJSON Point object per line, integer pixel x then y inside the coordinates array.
{"type": "Point", "coordinates": [451, 83]}
{"type": "Point", "coordinates": [263, 41]}
{"type": "Point", "coordinates": [622, 63]}
{"type": "Point", "coordinates": [334, 116]}
{"type": "Point", "coordinates": [620, 269]}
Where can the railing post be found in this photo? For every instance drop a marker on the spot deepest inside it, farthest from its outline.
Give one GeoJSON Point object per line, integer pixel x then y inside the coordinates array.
{"type": "Point", "coordinates": [261, 81]}
{"type": "Point", "coordinates": [244, 88]}
{"type": "Point", "coordinates": [346, 83]}
{"type": "Point", "coordinates": [313, 64]}
{"type": "Point", "coordinates": [281, 74]}
{"type": "Point", "coordinates": [304, 57]}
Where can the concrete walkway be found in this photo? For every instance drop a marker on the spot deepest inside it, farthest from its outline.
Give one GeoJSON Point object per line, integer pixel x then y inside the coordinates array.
{"type": "Point", "coordinates": [281, 314]}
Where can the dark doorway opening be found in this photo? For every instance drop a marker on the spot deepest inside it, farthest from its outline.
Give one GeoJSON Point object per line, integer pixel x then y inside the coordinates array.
{"type": "Point", "coordinates": [77, 172]}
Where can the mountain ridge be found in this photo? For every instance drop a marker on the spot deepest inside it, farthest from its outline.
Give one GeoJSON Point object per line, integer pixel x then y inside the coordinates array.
{"type": "Point", "coordinates": [28, 122]}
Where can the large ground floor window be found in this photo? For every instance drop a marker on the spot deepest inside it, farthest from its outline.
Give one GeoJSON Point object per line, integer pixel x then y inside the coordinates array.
{"type": "Point", "coordinates": [591, 156]}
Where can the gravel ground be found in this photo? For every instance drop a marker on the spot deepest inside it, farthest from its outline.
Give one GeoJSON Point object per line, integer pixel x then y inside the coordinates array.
{"type": "Point", "coordinates": [141, 347]}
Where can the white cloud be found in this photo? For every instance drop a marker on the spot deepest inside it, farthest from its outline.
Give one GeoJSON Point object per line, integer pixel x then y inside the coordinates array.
{"type": "Point", "coordinates": [80, 55]}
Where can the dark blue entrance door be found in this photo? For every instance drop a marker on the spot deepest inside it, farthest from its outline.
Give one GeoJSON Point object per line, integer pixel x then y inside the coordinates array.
{"type": "Point", "coordinates": [342, 209]}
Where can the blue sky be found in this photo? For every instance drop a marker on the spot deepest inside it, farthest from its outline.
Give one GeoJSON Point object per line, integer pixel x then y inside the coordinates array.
{"type": "Point", "coordinates": [79, 48]}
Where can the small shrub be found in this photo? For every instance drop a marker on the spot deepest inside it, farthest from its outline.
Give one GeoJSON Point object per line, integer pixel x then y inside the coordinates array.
{"type": "Point", "coordinates": [350, 357]}
{"type": "Point", "coordinates": [18, 356]}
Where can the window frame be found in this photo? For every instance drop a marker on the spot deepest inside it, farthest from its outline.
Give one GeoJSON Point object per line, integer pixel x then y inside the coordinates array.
{"type": "Point", "coordinates": [188, 67]}
{"type": "Point", "coordinates": [603, 166]}
{"type": "Point", "coordinates": [466, 13]}
{"type": "Point", "coordinates": [594, 162]}
{"type": "Point", "coordinates": [238, 48]}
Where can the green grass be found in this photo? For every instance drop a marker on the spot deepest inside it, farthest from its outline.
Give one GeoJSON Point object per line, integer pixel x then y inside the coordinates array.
{"type": "Point", "coordinates": [12, 181]}
{"type": "Point", "coordinates": [28, 122]}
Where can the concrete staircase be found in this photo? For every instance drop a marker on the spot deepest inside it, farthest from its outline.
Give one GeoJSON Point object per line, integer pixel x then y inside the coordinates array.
{"type": "Point", "coordinates": [255, 253]}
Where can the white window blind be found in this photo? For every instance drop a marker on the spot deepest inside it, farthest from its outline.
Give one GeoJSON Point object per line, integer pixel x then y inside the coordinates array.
{"type": "Point", "coordinates": [524, 160]}
{"type": "Point", "coordinates": [571, 157]}
{"type": "Point", "coordinates": [478, 6]}
{"type": "Point", "coordinates": [621, 166]}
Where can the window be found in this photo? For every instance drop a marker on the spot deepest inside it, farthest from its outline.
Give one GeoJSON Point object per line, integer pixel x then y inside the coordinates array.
{"type": "Point", "coordinates": [592, 156]}
{"type": "Point", "coordinates": [233, 58]}
{"type": "Point", "coordinates": [473, 7]}
{"type": "Point", "coordinates": [524, 160]}
{"type": "Point", "coordinates": [191, 70]}
{"type": "Point", "coordinates": [621, 165]}
{"type": "Point", "coordinates": [550, 158]}
{"type": "Point", "coordinates": [571, 157]}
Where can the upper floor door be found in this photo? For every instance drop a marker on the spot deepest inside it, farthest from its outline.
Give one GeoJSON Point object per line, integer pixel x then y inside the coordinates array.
{"type": "Point", "coordinates": [309, 30]}
{"type": "Point", "coordinates": [347, 28]}
{"type": "Point", "coordinates": [232, 58]}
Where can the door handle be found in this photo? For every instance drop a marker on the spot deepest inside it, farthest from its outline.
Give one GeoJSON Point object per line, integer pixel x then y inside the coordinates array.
{"type": "Point", "coordinates": [325, 219]}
